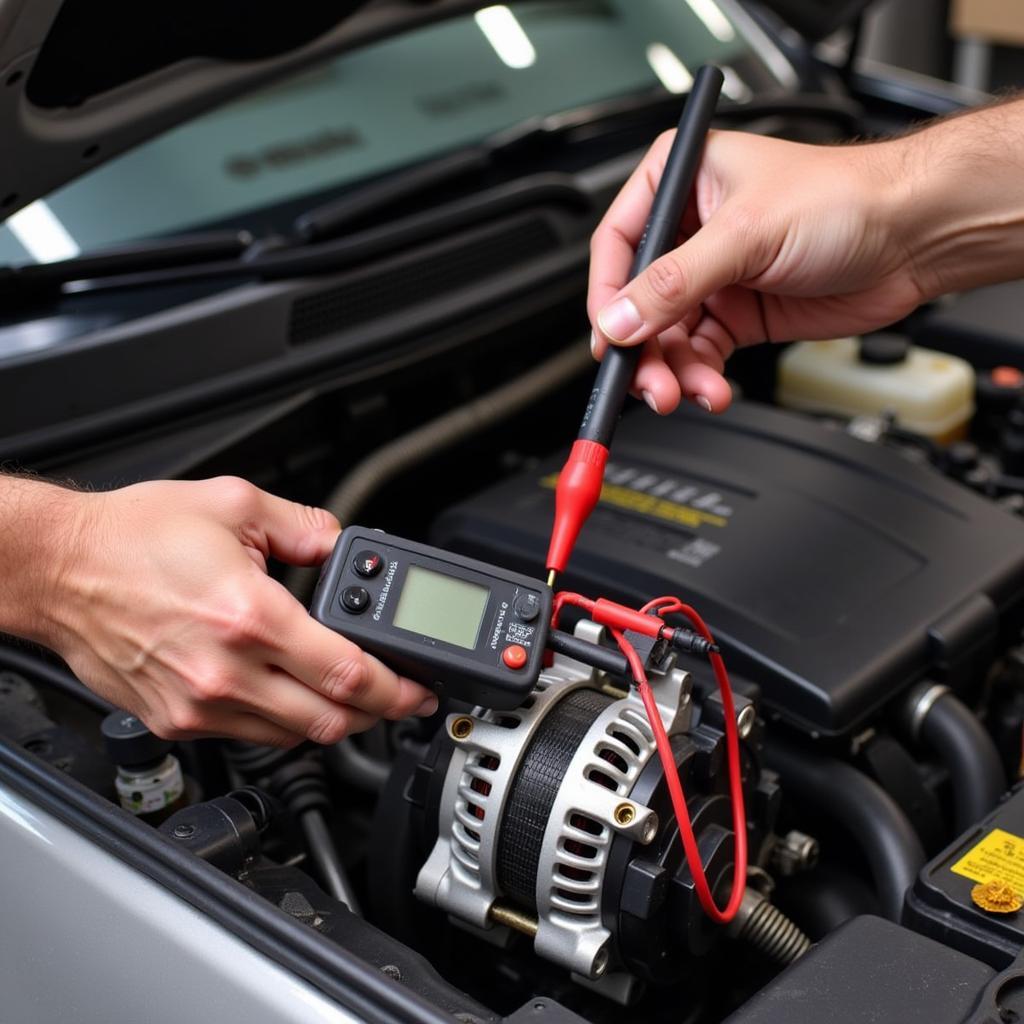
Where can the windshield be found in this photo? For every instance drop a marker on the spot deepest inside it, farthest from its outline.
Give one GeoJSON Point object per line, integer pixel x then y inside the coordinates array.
{"type": "Point", "coordinates": [386, 105]}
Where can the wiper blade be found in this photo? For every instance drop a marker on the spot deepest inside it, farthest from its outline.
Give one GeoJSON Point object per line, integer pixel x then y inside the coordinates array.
{"type": "Point", "coordinates": [329, 219]}
{"type": "Point", "coordinates": [332, 217]}
{"type": "Point", "coordinates": [174, 251]}
{"type": "Point", "coordinates": [279, 262]}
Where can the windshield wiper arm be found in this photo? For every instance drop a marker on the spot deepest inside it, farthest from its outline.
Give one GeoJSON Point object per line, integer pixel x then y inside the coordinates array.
{"type": "Point", "coordinates": [332, 217]}
{"type": "Point", "coordinates": [329, 219]}
{"type": "Point", "coordinates": [154, 254]}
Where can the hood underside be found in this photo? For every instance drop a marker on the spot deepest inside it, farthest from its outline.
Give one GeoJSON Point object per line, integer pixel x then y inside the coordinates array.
{"type": "Point", "coordinates": [81, 82]}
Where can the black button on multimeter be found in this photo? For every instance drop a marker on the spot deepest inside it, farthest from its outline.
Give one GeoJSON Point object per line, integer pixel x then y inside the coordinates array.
{"type": "Point", "coordinates": [527, 606]}
{"type": "Point", "coordinates": [355, 599]}
{"type": "Point", "coordinates": [367, 564]}
{"type": "Point", "coordinates": [477, 630]}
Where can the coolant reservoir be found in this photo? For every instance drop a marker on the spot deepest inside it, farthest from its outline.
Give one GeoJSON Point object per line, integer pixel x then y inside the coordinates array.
{"type": "Point", "coordinates": [930, 393]}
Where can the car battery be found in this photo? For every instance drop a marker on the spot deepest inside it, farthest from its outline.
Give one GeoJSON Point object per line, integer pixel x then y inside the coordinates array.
{"type": "Point", "coordinates": [945, 903]}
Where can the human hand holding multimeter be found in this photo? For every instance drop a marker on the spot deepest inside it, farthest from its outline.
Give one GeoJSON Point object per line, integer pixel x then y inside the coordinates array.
{"type": "Point", "coordinates": [437, 617]}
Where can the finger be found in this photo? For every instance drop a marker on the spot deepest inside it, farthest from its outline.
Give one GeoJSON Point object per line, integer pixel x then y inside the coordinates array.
{"type": "Point", "coordinates": [697, 365]}
{"type": "Point", "coordinates": [336, 668]}
{"type": "Point", "coordinates": [655, 382]}
{"type": "Point", "coordinates": [250, 728]}
{"type": "Point", "coordinates": [297, 534]}
{"type": "Point", "coordinates": [290, 704]}
{"type": "Point", "coordinates": [598, 345]}
{"type": "Point", "coordinates": [676, 283]}
{"type": "Point", "coordinates": [266, 692]}
{"type": "Point", "coordinates": [613, 244]}
{"type": "Point", "coordinates": [742, 314]}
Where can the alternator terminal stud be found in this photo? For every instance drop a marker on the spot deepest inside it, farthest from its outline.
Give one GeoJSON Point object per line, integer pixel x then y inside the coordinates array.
{"type": "Point", "coordinates": [461, 727]}
{"type": "Point", "coordinates": [625, 814]}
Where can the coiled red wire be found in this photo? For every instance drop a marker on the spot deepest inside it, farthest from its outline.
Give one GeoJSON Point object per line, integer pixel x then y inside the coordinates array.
{"type": "Point", "coordinates": [662, 606]}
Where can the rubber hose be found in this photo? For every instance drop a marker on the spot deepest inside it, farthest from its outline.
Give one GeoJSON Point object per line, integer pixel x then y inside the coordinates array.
{"type": "Point", "coordinates": [325, 856]}
{"type": "Point", "coordinates": [61, 679]}
{"type": "Point", "coordinates": [356, 767]}
{"type": "Point", "coordinates": [873, 819]}
{"type": "Point", "coordinates": [385, 463]}
{"type": "Point", "coordinates": [960, 741]}
{"type": "Point", "coordinates": [825, 898]}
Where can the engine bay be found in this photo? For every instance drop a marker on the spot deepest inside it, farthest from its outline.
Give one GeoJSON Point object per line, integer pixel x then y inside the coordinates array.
{"type": "Point", "coordinates": [866, 587]}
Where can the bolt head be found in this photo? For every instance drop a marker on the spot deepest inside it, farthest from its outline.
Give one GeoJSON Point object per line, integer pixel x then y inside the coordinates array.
{"type": "Point", "coordinates": [745, 721]}
{"type": "Point", "coordinates": [184, 831]}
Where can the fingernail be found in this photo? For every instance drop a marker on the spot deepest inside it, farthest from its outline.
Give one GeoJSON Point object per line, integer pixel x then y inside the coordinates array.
{"type": "Point", "coordinates": [593, 344]}
{"type": "Point", "coordinates": [621, 320]}
{"type": "Point", "coordinates": [703, 403]}
{"type": "Point", "coordinates": [649, 399]}
{"type": "Point", "coordinates": [427, 708]}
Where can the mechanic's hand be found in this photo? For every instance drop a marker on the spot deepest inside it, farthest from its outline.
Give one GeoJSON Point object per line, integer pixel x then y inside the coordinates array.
{"type": "Point", "coordinates": [165, 608]}
{"type": "Point", "coordinates": [794, 242]}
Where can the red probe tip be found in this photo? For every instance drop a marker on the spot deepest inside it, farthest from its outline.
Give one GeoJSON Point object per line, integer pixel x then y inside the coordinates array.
{"type": "Point", "coordinates": [579, 487]}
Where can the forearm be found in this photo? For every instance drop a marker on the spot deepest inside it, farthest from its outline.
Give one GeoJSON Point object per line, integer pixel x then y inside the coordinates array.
{"type": "Point", "coordinates": [39, 522]}
{"type": "Point", "coordinates": [961, 198]}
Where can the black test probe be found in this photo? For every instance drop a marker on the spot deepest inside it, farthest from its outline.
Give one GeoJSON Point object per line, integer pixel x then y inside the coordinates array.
{"type": "Point", "coordinates": [579, 483]}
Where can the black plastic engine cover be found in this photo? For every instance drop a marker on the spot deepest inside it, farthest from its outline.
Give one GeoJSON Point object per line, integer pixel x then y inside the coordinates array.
{"type": "Point", "coordinates": [871, 970]}
{"type": "Point", "coordinates": [834, 572]}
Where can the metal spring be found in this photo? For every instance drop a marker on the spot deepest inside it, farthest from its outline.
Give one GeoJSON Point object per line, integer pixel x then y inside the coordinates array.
{"type": "Point", "coordinates": [769, 930]}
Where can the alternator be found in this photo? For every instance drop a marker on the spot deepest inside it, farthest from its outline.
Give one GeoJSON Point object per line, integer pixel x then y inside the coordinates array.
{"type": "Point", "coordinates": [533, 800]}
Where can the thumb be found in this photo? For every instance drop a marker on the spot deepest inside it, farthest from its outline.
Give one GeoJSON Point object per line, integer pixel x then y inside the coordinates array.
{"type": "Point", "coordinates": [297, 534]}
{"type": "Point", "coordinates": [675, 285]}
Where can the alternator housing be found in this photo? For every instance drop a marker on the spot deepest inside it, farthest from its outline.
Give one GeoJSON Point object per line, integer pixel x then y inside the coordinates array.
{"type": "Point", "coordinates": [534, 800]}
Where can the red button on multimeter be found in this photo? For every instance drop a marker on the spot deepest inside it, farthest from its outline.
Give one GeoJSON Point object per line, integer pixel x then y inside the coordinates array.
{"type": "Point", "coordinates": [514, 656]}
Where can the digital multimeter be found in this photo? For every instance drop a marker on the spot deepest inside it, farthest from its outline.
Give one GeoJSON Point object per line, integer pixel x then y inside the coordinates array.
{"type": "Point", "coordinates": [436, 617]}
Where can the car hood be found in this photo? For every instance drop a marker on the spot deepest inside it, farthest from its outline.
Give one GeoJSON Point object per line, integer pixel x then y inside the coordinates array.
{"type": "Point", "coordinates": [81, 81]}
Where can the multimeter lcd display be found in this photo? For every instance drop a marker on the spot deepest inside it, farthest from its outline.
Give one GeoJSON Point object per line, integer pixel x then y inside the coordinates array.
{"type": "Point", "coordinates": [441, 607]}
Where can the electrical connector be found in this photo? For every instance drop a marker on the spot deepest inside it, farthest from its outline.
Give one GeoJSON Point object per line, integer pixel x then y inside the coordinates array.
{"type": "Point", "coordinates": [686, 641]}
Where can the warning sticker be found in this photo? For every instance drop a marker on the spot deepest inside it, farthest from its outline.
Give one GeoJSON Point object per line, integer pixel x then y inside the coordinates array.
{"type": "Point", "coordinates": [998, 857]}
{"type": "Point", "coordinates": [651, 505]}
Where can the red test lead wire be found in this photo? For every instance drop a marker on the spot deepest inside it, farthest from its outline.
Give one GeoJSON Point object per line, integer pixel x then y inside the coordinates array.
{"type": "Point", "coordinates": [675, 786]}
{"type": "Point", "coordinates": [664, 606]}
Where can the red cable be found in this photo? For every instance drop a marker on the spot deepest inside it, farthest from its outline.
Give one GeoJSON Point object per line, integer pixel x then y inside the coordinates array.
{"type": "Point", "coordinates": [564, 597]}
{"type": "Point", "coordinates": [667, 605]}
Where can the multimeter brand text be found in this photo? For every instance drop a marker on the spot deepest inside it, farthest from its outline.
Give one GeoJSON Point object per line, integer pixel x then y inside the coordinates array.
{"type": "Point", "coordinates": [389, 578]}
{"type": "Point", "coordinates": [499, 625]}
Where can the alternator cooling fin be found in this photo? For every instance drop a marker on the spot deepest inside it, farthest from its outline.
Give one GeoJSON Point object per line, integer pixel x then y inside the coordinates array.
{"type": "Point", "coordinates": [534, 788]}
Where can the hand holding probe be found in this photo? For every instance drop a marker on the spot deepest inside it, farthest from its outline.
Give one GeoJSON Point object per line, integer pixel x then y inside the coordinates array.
{"type": "Point", "coordinates": [579, 483]}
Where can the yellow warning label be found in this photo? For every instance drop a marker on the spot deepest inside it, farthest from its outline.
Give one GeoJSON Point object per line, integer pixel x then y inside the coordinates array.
{"type": "Point", "coordinates": [649, 505]}
{"type": "Point", "coordinates": [999, 857]}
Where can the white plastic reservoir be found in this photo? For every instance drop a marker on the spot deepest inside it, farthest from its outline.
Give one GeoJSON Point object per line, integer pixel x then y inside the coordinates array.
{"type": "Point", "coordinates": [930, 393]}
